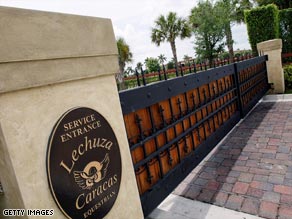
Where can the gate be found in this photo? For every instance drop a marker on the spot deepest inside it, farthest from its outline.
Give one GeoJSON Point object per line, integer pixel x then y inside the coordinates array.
{"type": "Point", "coordinates": [173, 124]}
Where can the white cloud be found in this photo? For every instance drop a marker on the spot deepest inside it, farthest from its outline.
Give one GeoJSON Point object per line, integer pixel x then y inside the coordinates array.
{"type": "Point", "coordinates": [132, 20]}
{"type": "Point", "coordinates": [240, 37]}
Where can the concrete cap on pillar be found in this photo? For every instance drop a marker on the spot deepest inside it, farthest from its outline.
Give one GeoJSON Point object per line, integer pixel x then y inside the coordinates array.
{"type": "Point", "coordinates": [269, 45]}
{"type": "Point", "coordinates": [40, 48]}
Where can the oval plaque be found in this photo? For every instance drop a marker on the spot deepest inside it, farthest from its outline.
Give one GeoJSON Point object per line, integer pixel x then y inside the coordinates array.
{"type": "Point", "coordinates": [83, 164]}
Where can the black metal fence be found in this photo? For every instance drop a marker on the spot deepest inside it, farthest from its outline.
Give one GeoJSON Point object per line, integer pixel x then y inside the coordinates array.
{"type": "Point", "coordinates": [141, 78]}
{"type": "Point", "coordinates": [173, 124]}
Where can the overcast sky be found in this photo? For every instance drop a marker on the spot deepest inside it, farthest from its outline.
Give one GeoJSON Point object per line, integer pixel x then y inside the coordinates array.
{"type": "Point", "coordinates": [132, 20]}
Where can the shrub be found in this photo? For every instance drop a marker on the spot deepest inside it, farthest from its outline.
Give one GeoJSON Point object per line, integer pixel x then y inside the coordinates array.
{"type": "Point", "coordinates": [170, 65]}
{"type": "Point", "coordinates": [152, 64]}
{"type": "Point", "coordinates": [285, 29]}
{"type": "Point", "coordinates": [288, 76]}
{"type": "Point", "coordinates": [262, 24]}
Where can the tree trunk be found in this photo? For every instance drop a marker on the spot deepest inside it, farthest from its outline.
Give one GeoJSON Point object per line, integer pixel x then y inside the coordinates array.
{"type": "Point", "coordinates": [173, 48]}
{"type": "Point", "coordinates": [211, 57]}
{"type": "Point", "coordinates": [120, 78]}
{"type": "Point", "coordinates": [229, 41]}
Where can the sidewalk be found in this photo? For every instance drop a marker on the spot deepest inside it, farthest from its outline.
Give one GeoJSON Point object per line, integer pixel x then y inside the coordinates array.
{"type": "Point", "coordinates": [250, 171]}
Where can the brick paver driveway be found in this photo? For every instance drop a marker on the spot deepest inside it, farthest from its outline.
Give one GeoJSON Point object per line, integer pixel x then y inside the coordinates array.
{"type": "Point", "coordinates": [251, 171]}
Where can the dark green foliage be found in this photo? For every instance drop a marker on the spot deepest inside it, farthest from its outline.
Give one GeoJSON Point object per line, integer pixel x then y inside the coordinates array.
{"type": "Point", "coordinates": [285, 20]}
{"type": "Point", "coordinates": [152, 64]}
{"type": "Point", "coordinates": [242, 53]}
{"type": "Point", "coordinates": [288, 76]}
{"type": "Point", "coordinates": [262, 24]}
{"type": "Point", "coordinates": [237, 53]}
{"type": "Point", "coordinates": [282, 4]}
{"type": "Point", "coordinates": [170, 65]}
{"type": "Point", "coordinates": [224, 55]}
{"type": "Point", "coordinates": [208, 27]}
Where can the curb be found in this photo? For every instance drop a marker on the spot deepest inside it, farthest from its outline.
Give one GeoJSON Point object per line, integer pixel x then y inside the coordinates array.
{"type": "Point", "coordinates": [277, 98]}
{"type": "Point", "coordinates": [177, 207]}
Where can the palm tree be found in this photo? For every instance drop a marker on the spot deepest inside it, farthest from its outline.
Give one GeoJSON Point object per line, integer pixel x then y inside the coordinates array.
{"type": "Point", "coordinates": [187, 58]}
{"type": "Point", "coordinates": [146, 60]}
{"type": "Point", "coordinates": [129, 71]}
{"type": "Point", "coordinates": [233, 12]}
{"type": "Point", "coordinates": [168, 29]}
{"type": "Point", "coordinates": [139, 65]}
{"type": "Point", "coordinates": [125, 56]}
{"type": "Point", "coordinates": [161, 59]}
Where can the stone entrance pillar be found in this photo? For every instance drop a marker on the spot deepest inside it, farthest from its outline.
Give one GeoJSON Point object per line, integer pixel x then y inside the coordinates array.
{"type": "Point", "coordinates": [273, 48]}
{"type": "Point", "coordinates": [51, 66]}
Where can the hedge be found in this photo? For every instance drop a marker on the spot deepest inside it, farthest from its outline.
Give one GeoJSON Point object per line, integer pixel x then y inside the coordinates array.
{"type": "Point", "coordinates": [285, 28]}
{"type": "Point", "coordinates": [288, 77]}
{"type": "Point", "coordinates": [262, 24]}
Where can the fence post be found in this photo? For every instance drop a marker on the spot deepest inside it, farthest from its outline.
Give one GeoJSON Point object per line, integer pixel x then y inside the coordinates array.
{"type": "Point", "coordinates": [239, 100]}
{"type": "Point", "coordinates": [55, 71]}
{"type": "Point", "coordinates": [143, 77]}
{"type": "Point", "coordinates": [273, 49]}
{"type": "Point", "coordinates": [137, 75]}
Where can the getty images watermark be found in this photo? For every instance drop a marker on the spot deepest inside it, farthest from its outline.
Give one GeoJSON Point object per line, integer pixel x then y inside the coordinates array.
{"type": "Point", "coordinates": [28, 212]}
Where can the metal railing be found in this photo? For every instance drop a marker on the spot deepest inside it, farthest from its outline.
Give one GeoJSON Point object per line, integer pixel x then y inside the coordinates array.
{"type": "Point", "coordinates": [141, 78]}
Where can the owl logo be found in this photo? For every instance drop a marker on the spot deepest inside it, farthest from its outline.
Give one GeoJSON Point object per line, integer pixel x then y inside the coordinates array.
{"type": "Point", "coordinates": [93, 173]}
